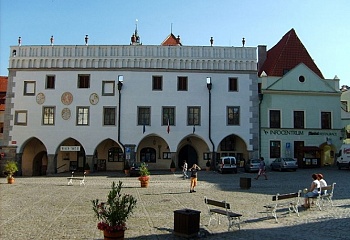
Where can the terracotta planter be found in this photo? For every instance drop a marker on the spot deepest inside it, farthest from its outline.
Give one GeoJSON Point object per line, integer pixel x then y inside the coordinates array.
{"type": "Point", "coordinates": [172, 170]}
{"type": "Point", "coordinates": [113, 235]}
{"type": "Point", "coordinates": [207, 169]}
{"type": "Point", "coordinates": [144, 181]}
{"type": "Point", "coordinates": [10, 180]}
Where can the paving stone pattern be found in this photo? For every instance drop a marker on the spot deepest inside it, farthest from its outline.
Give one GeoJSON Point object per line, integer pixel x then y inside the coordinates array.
{"type": "Point", "coordinates": [47, 208]}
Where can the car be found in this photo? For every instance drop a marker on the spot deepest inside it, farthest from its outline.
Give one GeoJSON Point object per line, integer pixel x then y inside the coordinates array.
{"type": "Point", "coordinates": [252, 165]}
{"type": "Point", "coordinates": [227, 164]}
{"type": "Point", "coordinates": [284, 164]}
{"type": "Point", "coordinates": [135, 169]}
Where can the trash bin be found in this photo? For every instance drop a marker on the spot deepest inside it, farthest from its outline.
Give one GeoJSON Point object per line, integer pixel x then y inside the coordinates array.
{"type": "Point", "coordinates": [245, 183]}
{"type": "Point", "coordinates": [186, 222]}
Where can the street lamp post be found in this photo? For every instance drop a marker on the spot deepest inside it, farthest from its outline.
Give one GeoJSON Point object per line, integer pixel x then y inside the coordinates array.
{"type": "Point", "coordinates": [209, 86]}
{"type": "Point", "coordinates": [120, 86]}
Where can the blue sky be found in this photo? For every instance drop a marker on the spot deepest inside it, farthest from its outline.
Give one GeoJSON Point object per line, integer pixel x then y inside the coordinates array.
{"type": "Point", "coordinates": [322, 25]}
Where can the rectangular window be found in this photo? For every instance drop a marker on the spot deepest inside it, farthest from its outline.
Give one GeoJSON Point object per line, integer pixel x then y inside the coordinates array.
{"type": "Point", "coordinates": [21, 118]}
{"type": "Point", "coordinates": [299, 119]}
{"type": "Point", "coordinates": [50, 82]}
{"type": "Point", "coordinates": [168, 113]}
{"type": "Point", "coordinates": [29, 88]}
{"type": "Point", "coordinates": [326, 120]}
{"type": "Point", "coordinates": [157, 83]}
{"type": "Point", "coordinates": [275, 119]}
{"type": "Point", "coordinates": [108, 88]}
{"type": "Point", "coordinates": [275, 149]}
{"type": "Point", "coordinates": [109, 116]}
{"type": "Point", "coordinates": [82, 116]}
{"type": "Point", "coordinates": [233, 115]}
{"type": "Point", "coordinates": [182, 83]}
{"type": "Point", "coordinates": [144, 116]}
{"type": "Point", "coordinates": [233, 84]}
{"type": "Point", "coordinates": [83, 81]}
{"type": "Point", "coordinates": [193, 116]}
{"type": "Point", "coordinates": [48, 115]}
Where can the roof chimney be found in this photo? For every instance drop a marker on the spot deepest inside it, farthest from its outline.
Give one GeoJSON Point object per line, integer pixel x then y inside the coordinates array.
{"type": "Point", "coordinates": [262, 54]}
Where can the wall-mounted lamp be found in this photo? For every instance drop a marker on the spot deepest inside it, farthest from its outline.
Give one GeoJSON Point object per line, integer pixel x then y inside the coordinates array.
{"type": "Point", "coordinates": [120, 82]}
{"type": "Point", "coordinates": [209, 84]}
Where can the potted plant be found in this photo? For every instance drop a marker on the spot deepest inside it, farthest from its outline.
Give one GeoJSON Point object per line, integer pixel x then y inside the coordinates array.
{"type": "Point", "coordinates": [207, 165]}
{"type": "Point", "coordinates": [87, 168]}
{"type": "Point", "coordinates": [127, 168]}
{"type": "Point", "coordinates": [10, 169]}
{"type": "Point", "coordinates": [144, 175]}
{"type": "Point", "coordinates": [112, 215]}
{"type": "Point", "coordinates": [172, 166]}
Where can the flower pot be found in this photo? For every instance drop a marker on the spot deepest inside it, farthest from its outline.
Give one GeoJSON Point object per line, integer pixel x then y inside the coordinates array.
{"type": "Point", "coordinates": [113, 235]}
{"type": "Point", "coordinates": [10, 180]}
{"type": "Point", "coordinates": [172, 170]}
{"type": "Point", "coordinates": [144, 181]}
{"type": "Point", "coordinates": [207, 169]}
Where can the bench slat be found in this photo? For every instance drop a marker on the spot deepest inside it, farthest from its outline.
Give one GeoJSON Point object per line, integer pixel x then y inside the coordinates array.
{"type": "Point", "coordinates": [218, 204]}
{"type": "Point", "coordinates": [284, 196]}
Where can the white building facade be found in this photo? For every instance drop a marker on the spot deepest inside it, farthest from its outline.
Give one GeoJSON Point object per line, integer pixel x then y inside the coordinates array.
{"type": "Point", "coordinates": [69, 106]}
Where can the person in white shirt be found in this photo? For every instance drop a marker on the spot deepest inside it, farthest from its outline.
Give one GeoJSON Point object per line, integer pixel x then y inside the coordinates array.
{"type": "Point", "coordinates": [323, 182]}
{"type": "Point", "coordinates": [184, 170]}
{"type": "Point", "coordinates": [313, 191]}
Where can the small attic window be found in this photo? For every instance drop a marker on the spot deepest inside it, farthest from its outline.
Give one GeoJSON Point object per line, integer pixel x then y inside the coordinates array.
{"type": "Point", "coordinates": [301, 79]}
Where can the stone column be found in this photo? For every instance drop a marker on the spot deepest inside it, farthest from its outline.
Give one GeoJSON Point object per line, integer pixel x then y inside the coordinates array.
{"type": "Point", "coordinates": [51, 164]}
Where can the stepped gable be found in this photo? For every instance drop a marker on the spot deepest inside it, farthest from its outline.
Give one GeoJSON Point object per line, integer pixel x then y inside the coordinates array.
{"type": "Point", "coordinates": [171, 40]}
{"type": "Point", "coordinates": [287, 54]}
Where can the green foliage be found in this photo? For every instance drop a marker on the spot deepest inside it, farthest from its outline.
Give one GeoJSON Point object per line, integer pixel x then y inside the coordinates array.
{"type": "Point", "coordinates": [127, 165]}
{"type": "Point", "coordinates": [114, 213]}
{"type": "Point", "coordinates": [11, 167]}
{"type": "Point", "coordinates": [172, 164]}
{"type": "Point", "coordinates": [144, 170]}
{"type": "Point", "coordinates": [208, 163]}
{"type": "Point", "coordinates": [87, 167]}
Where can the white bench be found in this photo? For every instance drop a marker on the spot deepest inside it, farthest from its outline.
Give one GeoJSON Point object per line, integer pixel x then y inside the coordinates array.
{"type": "Point", "coordinates": [289, 200]}
{"type": "Point", "coordinates": [224, 207]}
{"type": "Point", "coordinates": [325, 194]}
{"type": "Point", "coordinates": [80, 179]}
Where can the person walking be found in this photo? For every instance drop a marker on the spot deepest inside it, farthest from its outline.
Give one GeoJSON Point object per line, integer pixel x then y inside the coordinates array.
{"type": "Point", "coordinates": [194, 169]}
{"type": "Point", "coordinates": [262, 169]}
{"type": "Point", "coordinates": [184, 170]}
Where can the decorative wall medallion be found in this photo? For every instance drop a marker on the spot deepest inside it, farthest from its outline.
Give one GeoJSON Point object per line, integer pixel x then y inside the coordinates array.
{"type": "Point", "coordinates": [94, 98]}
{"type": "Point", "coordinates": [40, 98]}
{"type": "Point", "coordinates": [65, 113]}
{"type": "Point", "coordinates": [67, 98]}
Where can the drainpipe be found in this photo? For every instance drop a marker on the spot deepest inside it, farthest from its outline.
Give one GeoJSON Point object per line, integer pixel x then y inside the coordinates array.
{"type": "Point", "coordinates": [209, 86]}
{"type": "Point", "coordinates": [261, 96]}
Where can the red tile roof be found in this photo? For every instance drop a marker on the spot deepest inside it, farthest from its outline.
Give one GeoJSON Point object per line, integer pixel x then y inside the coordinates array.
{"type": "Point", "coordinates": [287, 54]}
{"type": "Point", "coordinates": [171, 40]}
{"type": "Point", "coordinates": [3, 84]}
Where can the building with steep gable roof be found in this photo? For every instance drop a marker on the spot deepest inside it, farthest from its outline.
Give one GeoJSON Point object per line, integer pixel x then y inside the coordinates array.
{"type": "Point", "coordinates": [299, 109]}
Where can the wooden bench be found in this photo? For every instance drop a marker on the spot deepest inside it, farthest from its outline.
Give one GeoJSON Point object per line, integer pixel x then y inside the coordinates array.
{"type": "Point", "coordinates": [72, 178]}
{"type": "Point", "coordinates": [224, 207]}
{"type": "Point", "coordinates": [289, 200]}
{"type": "Point", "coordinates": [325, 194]}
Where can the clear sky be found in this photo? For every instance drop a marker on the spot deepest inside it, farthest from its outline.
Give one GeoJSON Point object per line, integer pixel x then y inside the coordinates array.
{"type": "Point", "coordinates": [323, 26]}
